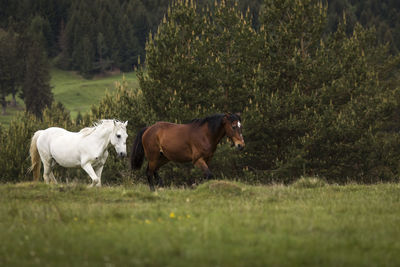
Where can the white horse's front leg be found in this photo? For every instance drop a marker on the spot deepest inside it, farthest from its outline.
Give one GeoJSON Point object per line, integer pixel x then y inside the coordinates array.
{"type": "Point", "coordinates": [98, 171]}
{"type": "Point", "coordinates": [99, 168]}
{"type": "Point", "coordinates": [89, 169]}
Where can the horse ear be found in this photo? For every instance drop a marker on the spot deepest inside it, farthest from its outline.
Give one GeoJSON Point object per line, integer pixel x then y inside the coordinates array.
{"type": "Point", "coordinates": [226, 117]}
{"type": "Point", "coordinates": [239, 114]}
{"type": "Point", "coordinates": [126, 123]}
{"type": "Point", "coordinates": [115, 124]}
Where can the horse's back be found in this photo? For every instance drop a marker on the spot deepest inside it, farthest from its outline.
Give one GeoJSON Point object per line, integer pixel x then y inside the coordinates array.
{"type": "Point", "coordinates": [52, 133]}
{"type": "Point", "coordinates": [167, 131]}
{"type": "Point", "coordinates": [171, 139]}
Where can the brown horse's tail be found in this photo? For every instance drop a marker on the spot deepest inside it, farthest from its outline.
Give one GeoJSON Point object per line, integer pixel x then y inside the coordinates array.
{"type": "Point", "coordinates": [35, 157]}
{"type": "Point", "coordinates": [137, 154]}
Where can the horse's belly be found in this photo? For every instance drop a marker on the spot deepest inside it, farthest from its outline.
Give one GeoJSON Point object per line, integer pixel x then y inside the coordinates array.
{"type": "Point", "coordinates": [180, 154]}
{"type": "Point", "coordinates": [65, 153]}
{"type": "Point", "coordinates": [66, 159]}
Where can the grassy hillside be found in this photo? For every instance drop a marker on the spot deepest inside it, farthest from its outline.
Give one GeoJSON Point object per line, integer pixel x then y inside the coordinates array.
{"type": "Point", "coordinates": [75, 92]}
{"type": "Point", "coordinates": [78, 94]}
{"type": "Point", "coordinates": [219, 223]}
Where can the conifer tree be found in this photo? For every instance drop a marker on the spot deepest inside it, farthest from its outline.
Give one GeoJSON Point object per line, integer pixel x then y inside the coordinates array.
{"type": "Point", "coordinates": [10, 62]}
{"type": "Point", "coordinates": [319, 100]}
{"type": "Point", "coordinates": [36, 88]}
{"type": "Point", "coordinates": [197, 62]}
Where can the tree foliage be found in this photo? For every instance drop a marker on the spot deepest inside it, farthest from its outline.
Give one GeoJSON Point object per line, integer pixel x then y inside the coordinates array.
{"type": "Point", "coordinates": [383, 15]}
{"type": "Point", "coordinates": [124, 26]}
{"type": "Point", "coordinates": [9, 67]}
{"type": "Point", "coordinates": [314, 103]}
{"type": "Point", "coordinates": [36, 87]}
{"type": "Point", "coordinates": [198, 61]}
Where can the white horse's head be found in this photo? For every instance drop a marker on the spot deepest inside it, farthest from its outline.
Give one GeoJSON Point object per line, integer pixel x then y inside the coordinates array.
{"type": "Point", "coordinates": [118, 137]}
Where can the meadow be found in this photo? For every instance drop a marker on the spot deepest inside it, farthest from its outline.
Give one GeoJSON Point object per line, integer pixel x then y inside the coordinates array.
{"type": "Point", "coordinates": [219, 223]}
{"type": "Point", "coordinates": [76, 93]}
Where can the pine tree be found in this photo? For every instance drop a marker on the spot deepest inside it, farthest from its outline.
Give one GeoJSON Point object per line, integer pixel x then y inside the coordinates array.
{"type": "Point", "coordinates": [87, 54]}
{"type": "Point", "coordinates": [36, 88]}
{"type": "Point", "coordinates": [10, 67]}
{"type": "Point", "coordinates": [197, 62]}
{"type": "Point", "coordinates": [5, 72]}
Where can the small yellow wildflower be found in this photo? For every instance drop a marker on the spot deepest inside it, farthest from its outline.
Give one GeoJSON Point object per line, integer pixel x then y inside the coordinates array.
{"type": "Point", "coordinates": [75, 218]}
{"type": "Point", "coordinates": [188, 216]}
{"type": "Point", "coordinates": [172, 215]}
{"type": "Point", "coordinates": [147, 221]}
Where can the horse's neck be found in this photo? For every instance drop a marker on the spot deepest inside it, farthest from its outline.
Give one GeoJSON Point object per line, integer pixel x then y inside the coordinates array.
{"type": "Point", "coordinates": [216, 137]}
{"type": "Point", "coordinates": [101, 136]}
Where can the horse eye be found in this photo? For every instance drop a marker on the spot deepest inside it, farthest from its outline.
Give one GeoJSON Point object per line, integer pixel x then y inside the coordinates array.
{"type": "Point", "coordinates": [118, 136]}
{"type": "Point", "coordinates": [234, 127]}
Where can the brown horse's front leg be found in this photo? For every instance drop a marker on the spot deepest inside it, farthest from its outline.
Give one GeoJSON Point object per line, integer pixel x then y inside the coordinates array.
{"type": "Point", "coordinates": [159, 181]}
{"type": "Point", "coordinates": [204, 167]}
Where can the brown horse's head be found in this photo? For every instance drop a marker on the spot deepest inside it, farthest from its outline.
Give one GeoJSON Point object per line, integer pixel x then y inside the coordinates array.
{"type": "Point", "coordinates": [233, 128]}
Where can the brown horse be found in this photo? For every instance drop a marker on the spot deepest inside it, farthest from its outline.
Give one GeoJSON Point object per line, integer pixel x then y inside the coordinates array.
{"type": "Point", "coordinates": [196, 142]}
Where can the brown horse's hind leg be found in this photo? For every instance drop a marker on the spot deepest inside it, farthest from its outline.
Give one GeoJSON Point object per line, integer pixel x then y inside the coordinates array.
{"type": "Point", "coordinates": [149, 174]}
{"type": "Point", "coordinates": [204, 167]}
{"type": "Point", "coordinates": [162, 160]}
{"type": "Point", "coordinates": [151, 171]}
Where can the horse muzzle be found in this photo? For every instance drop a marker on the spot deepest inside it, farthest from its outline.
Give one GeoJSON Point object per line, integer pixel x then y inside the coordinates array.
{"type": "Point", "coordinates": [240, 146]}
{"type": "Point", "coordinates": [122, 154]}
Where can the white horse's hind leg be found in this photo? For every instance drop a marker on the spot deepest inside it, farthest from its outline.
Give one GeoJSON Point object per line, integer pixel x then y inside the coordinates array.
{"type": "Point", "coordinates": [53, 163]}
{"type": "Point", "coordinates": [89, 169]}
{"type": "Point", "coordinates": [46, 160]}
{"type": "Point", "coordinates": [53, 178]}
{"type": "Point", "coordinates": [46, 172]}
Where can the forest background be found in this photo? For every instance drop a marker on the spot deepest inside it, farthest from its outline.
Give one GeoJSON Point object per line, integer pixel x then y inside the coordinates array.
{"type": "Point", "coordinates": [316, 82]}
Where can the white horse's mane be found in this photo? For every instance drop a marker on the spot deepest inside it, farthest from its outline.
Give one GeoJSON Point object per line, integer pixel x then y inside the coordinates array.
{"type": "Point", "coordinates": [89, 130]}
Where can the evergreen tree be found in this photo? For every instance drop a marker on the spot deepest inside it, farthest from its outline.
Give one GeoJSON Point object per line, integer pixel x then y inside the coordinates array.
{"type": "Point", "coordinates": [197, 62]}
{"type": "Point", "coordinates": [320, 103]}
{"type": "Point", "coordinates": [86, 54]}
{"type": "Point", "coordinates": [130, 49]}
{"type": "Point", "coordinates": [63, 60]}
{"type": "Point", "coordinates": [10, 64]}
{"type": "Point", "coordinates": [5, 72]}
{"type": "Point", "coordinates": [36, 88]}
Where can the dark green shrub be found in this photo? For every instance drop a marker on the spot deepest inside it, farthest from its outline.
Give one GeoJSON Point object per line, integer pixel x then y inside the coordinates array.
{"type": "Point", "coordinates": [15, 141]}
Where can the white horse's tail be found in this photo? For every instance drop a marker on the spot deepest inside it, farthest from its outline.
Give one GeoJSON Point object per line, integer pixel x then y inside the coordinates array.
{"type": "Point", "coordinates": [35, 157]}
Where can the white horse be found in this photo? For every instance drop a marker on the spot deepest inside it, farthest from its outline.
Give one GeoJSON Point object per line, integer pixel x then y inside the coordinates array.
{"type": "Point", "coordinates": [86, 148]}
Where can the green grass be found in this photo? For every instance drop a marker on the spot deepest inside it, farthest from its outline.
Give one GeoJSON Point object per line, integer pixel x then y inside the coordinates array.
{"type": "Point", "coordinates": [11, 112]}
{"type": "Point", "coordinates": [217, 224]}
{"type": "Point", "coordinates": [79, 94]}
{"type": "Point", "coordinates": [75, 92]}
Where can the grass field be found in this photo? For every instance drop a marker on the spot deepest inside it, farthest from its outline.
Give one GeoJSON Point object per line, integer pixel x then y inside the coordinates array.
{"type": "Point", "coordinates": [219, 223]}
{"type": "Point", "coordinates": [75, 92]}
{"type": "Point", "coordinates": [79, 94]}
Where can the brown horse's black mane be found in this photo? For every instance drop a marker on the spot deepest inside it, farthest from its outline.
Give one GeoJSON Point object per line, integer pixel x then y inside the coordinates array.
{"type": "Point", "coordinates": [214, 121]}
